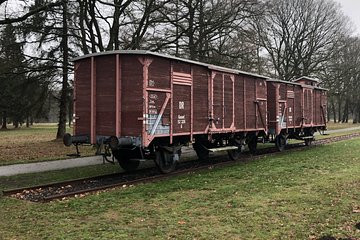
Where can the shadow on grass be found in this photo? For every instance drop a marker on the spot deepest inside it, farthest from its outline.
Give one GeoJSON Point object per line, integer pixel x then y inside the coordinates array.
{"type": "Point", "coordinates": [333, 238]}
{"type": "Point", "coordinates": [358, 225]}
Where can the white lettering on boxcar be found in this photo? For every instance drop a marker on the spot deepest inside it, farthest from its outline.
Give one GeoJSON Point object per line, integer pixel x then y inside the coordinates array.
{"type": "Point", "coordinates": [181, 105]}
{"type": "Point", "coordinates": [181, 120]}
{"type": "Point", "coordinates": [152, 111]}
{"type": "Point", "coordinates": [153, 96]}
{"type": "Point", "coordinates": [151, 83]}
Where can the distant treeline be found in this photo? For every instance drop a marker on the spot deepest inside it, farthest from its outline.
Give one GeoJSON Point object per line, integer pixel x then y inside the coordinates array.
{"type": "Point", "coordinates": [284, 39]}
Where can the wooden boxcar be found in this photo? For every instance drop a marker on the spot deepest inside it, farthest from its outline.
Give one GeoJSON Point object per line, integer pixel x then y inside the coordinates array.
{"type": "Point", "coordinates": [146, 105]}
{"type": "Point", "coordinates": [295, 110]}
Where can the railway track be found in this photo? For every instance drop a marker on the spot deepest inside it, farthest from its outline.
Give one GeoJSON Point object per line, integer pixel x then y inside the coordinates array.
{"type": "Point", "coordinates": [81, 187]}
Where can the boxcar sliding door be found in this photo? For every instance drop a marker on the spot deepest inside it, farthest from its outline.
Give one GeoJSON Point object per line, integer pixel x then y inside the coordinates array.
{"type": "Point", "coordinates": [181, 102]}
{"type": "Point", "coordinates": [308, 106]}
{"type": "Point", "coordinates": [290, 106]}
{"type": "Point", "coordinates": [222, 101]}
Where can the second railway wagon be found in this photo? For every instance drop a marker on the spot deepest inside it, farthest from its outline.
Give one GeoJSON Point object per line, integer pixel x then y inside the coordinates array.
{"type": "Point", "coordinates": [145, 105]}
{"type": "Point", "coordinates": [295, 110]}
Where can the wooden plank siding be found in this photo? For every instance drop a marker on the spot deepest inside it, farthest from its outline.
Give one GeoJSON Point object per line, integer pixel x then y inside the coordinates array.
{"type": "Point", "coordinates": [150, 95]}
{"type": "Point", "coordinates": [82, 97]}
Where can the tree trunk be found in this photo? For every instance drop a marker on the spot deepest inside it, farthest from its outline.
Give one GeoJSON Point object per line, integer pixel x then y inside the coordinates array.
{"type": "Point", "coordinates": [355, 118]}
{"type": "Point", "coordinates": [333, 110]}
{"type": "Point", "coordinates": [177, 30]}
{"type": "Point", "coordinates": [339, 109]}
{"type": "Point", "coordinates": [28, 122]}
{"type": "Point", "coordinates": [4, 119]}
{"type": "Point", "coordinates": [190, 32]}
{"type": "Point", "coordinates": [70, 111]}
{"type": "Point", "coordinates": [345, 116]}
{"type": "Point", "coordinates": [327, 117]}
{"type": "Point", "coordinates": [356, 114]}
{"type": "Point", "coordinates": [64, 91]}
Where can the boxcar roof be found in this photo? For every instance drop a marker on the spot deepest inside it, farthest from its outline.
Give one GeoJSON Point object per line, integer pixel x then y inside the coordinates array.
{"type": "Point", "coordinates": [307, 78]}
{"type": "Point", "coordinates": [294, 83]}
{"type": "Point", "coordinates": [282, 81]}
{"type": "Point", "coordinates": [144, 52]}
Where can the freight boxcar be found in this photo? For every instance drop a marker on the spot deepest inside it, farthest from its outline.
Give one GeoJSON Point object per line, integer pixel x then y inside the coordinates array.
{"type": "Point", "coordinates": [295, 110]}
{"type": "Point", "coordinates": [146, 105]}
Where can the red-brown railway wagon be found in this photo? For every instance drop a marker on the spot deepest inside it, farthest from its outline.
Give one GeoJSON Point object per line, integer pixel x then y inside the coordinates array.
{"type": "Point", "coordinates": [146, 106]}
{"type": "Point", "coordinates": [295, 109]}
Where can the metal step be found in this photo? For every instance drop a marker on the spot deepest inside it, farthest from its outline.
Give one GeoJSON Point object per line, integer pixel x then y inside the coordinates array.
{"type": "Point", "coordinates": [308, 137]}
{"type": "Point", "coordinates": [220, 149]}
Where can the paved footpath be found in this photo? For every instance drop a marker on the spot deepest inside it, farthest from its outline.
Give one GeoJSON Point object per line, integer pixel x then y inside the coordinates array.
{"type": "Point", "coordinates": [343, 130]}
{"type": "Point", "coordinates": [16, 169]}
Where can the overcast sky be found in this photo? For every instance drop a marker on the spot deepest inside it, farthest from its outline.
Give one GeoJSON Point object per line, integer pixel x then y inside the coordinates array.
{"type": "Point", "coordinates": [351, 8]}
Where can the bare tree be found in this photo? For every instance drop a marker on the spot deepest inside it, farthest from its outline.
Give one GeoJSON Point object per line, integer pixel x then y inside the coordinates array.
{"type": "Point", "coordinates": [342, 78]}
{"type": "Point", "coordinates": [300, 35]}
{"type": "Point", "coordinates": [217, 32]}
{"type": "Point", "coordinates": [121, 24]}
{"type": "Point", "coordinates": [212, 31]}
{"type": "Point", "coordinates": [30, 12]}
{"type": "Point", "coordinates": [65, 69]}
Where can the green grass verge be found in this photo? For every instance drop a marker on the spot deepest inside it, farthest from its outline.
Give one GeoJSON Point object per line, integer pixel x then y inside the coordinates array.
{"type": "Point", "coordinates": [293, 195]}
{"type": "Point", "coordinates": [35, 144]}
{"type": "Point", "coordinates": [334, 126]}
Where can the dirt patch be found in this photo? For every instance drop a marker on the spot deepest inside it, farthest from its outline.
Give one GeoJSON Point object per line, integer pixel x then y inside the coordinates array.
{"type": "Point", "coordinates": [357, 225]}
{"type": "Point", "coordinates": [327, 238]}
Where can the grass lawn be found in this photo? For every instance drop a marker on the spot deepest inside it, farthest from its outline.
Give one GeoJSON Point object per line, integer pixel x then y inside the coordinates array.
{"type": "Point", "coordinates": [34, 144]}
{"type": "Point", "coordinates": [334, 126]}
{"type": "Point", "coordinates": [292, 195]}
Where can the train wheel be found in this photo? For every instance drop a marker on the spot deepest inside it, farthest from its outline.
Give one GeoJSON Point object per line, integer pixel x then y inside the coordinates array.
{"type": "Point", "coordinates": [308, 142]}
{"type": "Point", "coordinates": [235, 154]}
{"type": "Point", "coordinates": [166, 161]}
{"type": "Point", "coordinates": [125, 161]}
{"type": "Point", "coordinates": [252, 144]}
{"type": "Point", "coordinates": [280, 142]}
{"type": "Point", "coordinates": [201, 151]}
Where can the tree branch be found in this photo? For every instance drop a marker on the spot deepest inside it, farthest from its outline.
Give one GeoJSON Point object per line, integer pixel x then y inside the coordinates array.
{"type": "Point", "coordinates": [27, 15]}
